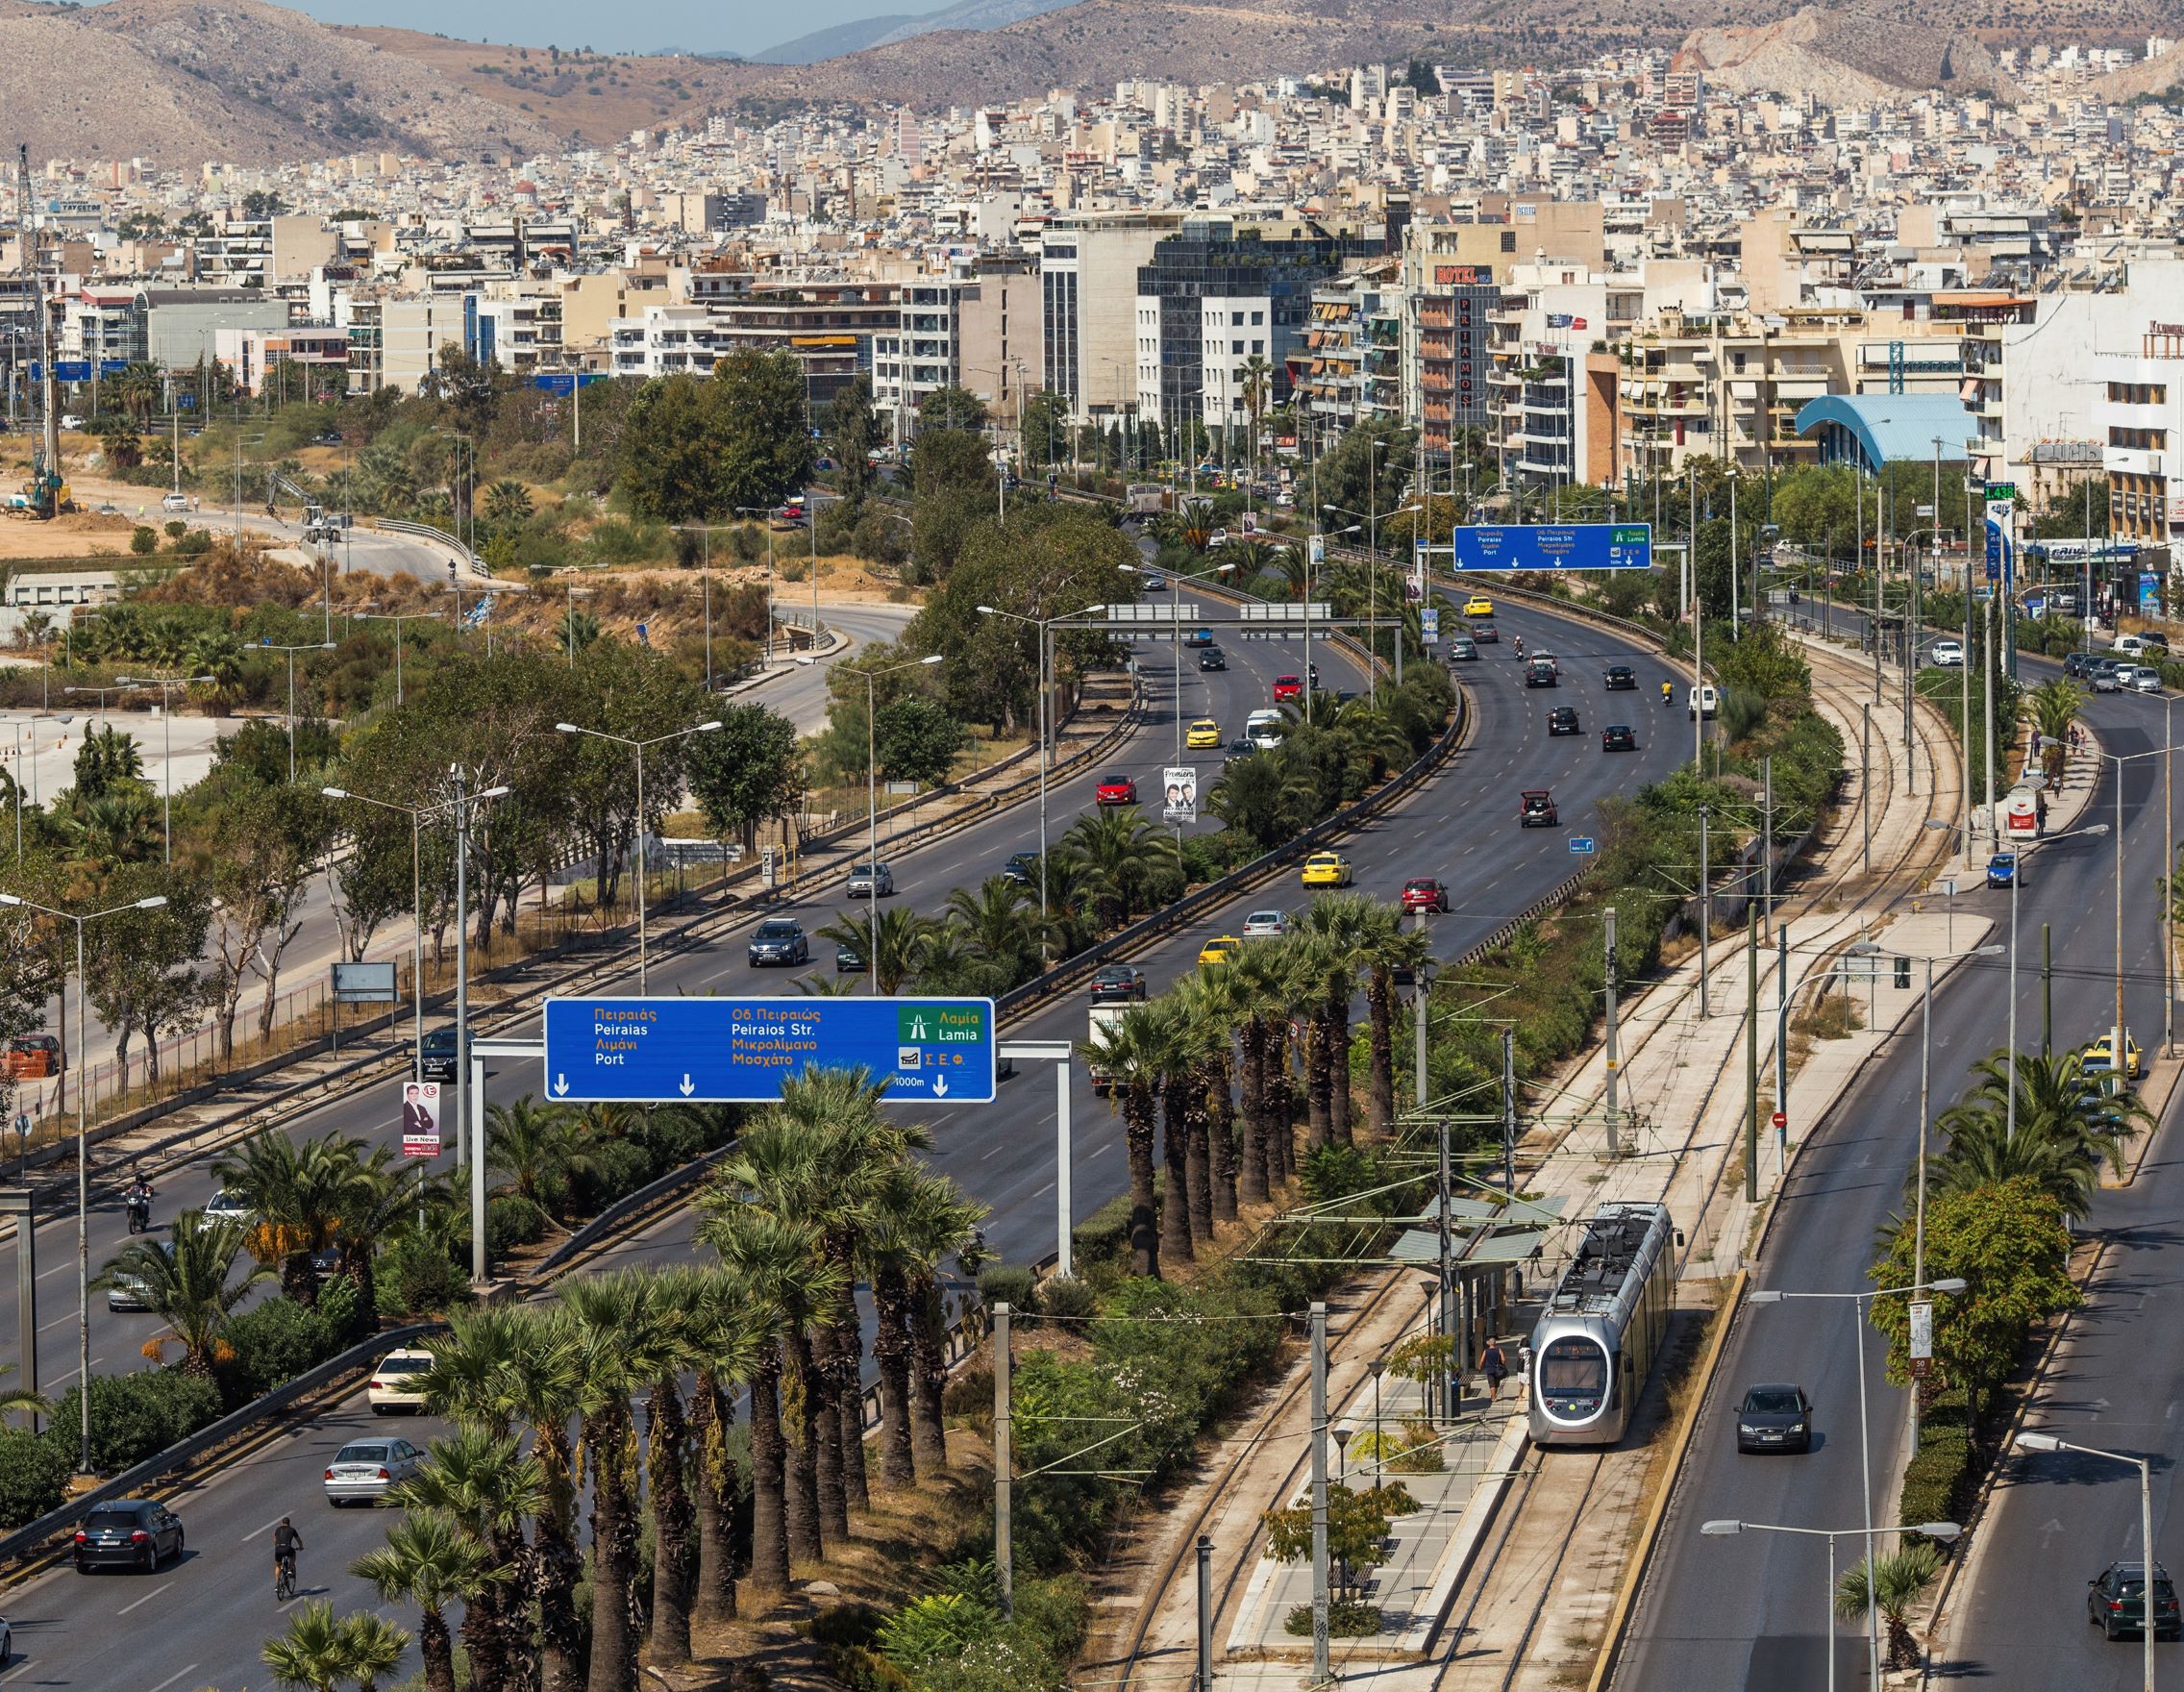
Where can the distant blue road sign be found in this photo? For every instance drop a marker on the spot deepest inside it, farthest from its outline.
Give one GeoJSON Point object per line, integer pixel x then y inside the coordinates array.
{"type": "Point", "coordinates": [1582, 843]}
{"type": "Point", "coordinates": [112, 367]}
{"type": "Point", "coordinates": [1557, 546]}
{"type": "Point", "coordinates": [563, 382]}
{"type": "Point", "coordinates": [71, 369]}
{"type": "Point", "coordinates": [740, 1050]}
{"type": "Point", "coordinates": [187, 402]}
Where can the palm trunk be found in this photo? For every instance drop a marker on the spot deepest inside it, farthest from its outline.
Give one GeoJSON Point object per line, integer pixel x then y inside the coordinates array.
{"type": "Point", "coordinates": [929, 1378]}
{"type": "Point", "coordinates": [483, 1641]}
{"type": "Point", "coordinates": [1338, 1064]}
{"type": "Point", "coordinates": [1318, 1123]}
{"type": "Point", "coordinates": [1175, 1192]}
{"type": "Point", "coordinates": [1250, 1178]}
{"type": "Point", "coordinates": [1197, 1165]}
{"type": "Point", "coordinates": [556, 1566]}
{"type": "Point", "coordinates": [891, 1351]}
{"type": "Point", "coordinates": [1137, 1137]}
{"type": "Point", "coordinates": [712, 1413]}
{"type": "Point", "coordinates": [1220, 1135]}
{"type": "Point", "coordinates": [1281, 1115]}
{"type": "Point", "coordinates": [846, 1382]}
{"type": "Point", "coordinates": [818, 1471]}
{"type": "Point", "coordinates": [673, 1517]}
{"type": "Point", "coordinates": [612, 1437]}
{"type": "Point", "coordinates": [769, 1480]}
{"type": "Point", "coordinates": [437, 1646]}
{"type": "Point", "coordinates": [1380, 1008]}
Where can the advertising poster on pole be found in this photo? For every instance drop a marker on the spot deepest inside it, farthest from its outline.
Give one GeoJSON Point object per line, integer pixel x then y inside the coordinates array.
{"type": "Point", "coordinates": [420, 1119]}
{"type": "Point", "coordinates": [1179, 785]}
{"type": "Point", "coordinates": [1417, 582]}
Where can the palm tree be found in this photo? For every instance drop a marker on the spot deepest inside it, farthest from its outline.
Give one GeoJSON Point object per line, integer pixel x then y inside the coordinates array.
{"type": "Point", "coordinates": [2067, 1127]}
{"type": "Point", "coordinates": [1255, 988]}
{"type": "Point", "coordinates": [508, 504]}
{"type": "Point", "coordinates": [899, 933]}
{"type": "Point", "coordinates": [730, 1341]}
{"type": "Point", "coordinates": [939, 1223]}
{"type": "Point", "coordinates": [1203, 1038]}
{"type": "Point", "coordinates": [537, 1147]}
{"type": "Point", "coordinates": [2051, 708]}
{"type": "Point", "coordinates": [296, 1194]}
{"type": "Point", "coordinates": [1001, 924]}
{"type": "Point", "coordinates": [373, 1647]}
{"type": "Point", "coordinates": [1388, 947]}
{"type": "Point", "coordinates": [1258, 384]}
{"type": "Point", "coordinates": [777, 1261]}
{"type": "Point", "coordinates": [887, 1255]}
{"type": "Point", "coordinates": [1897, 1579]}
{"type": "Point", "coordinates": [487, 1487]}
{"type": "Point", "coordinates": [1178, 1112]}
{"type": "Point", "coordinates": [1339, 923]}
{"type": "Point", "coordinates": [314, 1653]}
{"type": "Point", "coordinates": [1133, 1051]}
{"type": "Point", "coordinates": [685, 1294]}
{"type": "Point", "coordinates": [14, 1398]}
{"type": "Point", "coordinates": [189, 1283]}
{"type": "Point", "coordinates": [215, 653]}
{"type": "Point", "coordinates": [1114, 854]}
{"type": "Point", "coordinates": [428, 1562]}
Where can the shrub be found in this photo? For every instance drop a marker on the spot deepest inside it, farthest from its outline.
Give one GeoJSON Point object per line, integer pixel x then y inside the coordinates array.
{"type": "Point", "coordinates": [134, 1416]}
{"type": "Point", "coordinates": [968, 1395]}
{"type": "Point", "coordinates": [33, 1476]}
{"type": "Point", "coordinates": [418, 1275]}
{"type": "Point", "coordinates": [1348, 1618]}
{"type": "Point", "coordinates": [1009, 1284]}
{"type": "Point", "coordinates": [1940, 1478]}
{"type": "Point", "coordinates": [1069, 1297]}
{"type": "Point", "coordinates": [1101, 1240]}
{"type": "Point", "coordinates": [273, 1342]}
{"type": "Point", "coordinates": [143, 540]}
{"type": "Point", "coordinates": [513, 1220]}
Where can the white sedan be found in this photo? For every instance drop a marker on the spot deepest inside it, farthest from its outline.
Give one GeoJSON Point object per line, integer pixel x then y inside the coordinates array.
{"type": "Point", "coordinates": [1948, 654]}
{"type": "Point", "coordinates": [1265, 925]}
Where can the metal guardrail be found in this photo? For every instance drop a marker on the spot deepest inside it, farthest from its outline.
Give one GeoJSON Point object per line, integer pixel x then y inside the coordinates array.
{"type": "Point", "coordinates": [31, 1534]}
{"type": "Point", "coordinates": [584, 1238]}
{"type": "Point", "coordinates": [426, 531]}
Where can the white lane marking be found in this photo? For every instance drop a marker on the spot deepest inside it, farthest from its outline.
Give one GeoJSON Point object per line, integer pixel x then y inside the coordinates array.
{"type": "Point", "coordinates": [192, 1669]}
{"type": "Point", "coordinates": [49, 1327]}
{"type": "Point", "coordinates": [1043, 1192]}
{"type": "Point", "coordinates": [135, 1602]}
{"type": "Point", "coordinates": [266, 1528]}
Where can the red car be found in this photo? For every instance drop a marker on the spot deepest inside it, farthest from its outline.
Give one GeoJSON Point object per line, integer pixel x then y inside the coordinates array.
{"type": "Point", "coordinates": [1287, 689]}
{"type": "Point", "coordinates": [1424, 893]}
{"type": "Point", "coordinates": [1116, 789]}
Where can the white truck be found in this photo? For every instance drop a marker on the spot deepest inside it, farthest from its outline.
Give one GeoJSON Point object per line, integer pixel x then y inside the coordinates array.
{"type": "Point", "coordinates": [1103, 1019]}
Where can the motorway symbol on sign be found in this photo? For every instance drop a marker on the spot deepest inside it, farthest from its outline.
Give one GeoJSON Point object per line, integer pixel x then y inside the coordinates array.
{"type": "Point", "coordinates": [1581, 843]}
{"type": "Point", "coordinates": [740, 1050]}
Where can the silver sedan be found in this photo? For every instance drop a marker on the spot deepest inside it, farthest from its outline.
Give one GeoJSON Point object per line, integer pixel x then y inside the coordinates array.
{"type": "Point", "coordinates": [365, 1471]}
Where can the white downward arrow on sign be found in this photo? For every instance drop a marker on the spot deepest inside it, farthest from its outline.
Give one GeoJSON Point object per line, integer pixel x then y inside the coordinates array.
{"type": "Point", "coordinates": [687, 1088]}
{"type": "Point", "coordinates": [561, 1084]}
{"type": "Point", "coordinates": [940, 1087]}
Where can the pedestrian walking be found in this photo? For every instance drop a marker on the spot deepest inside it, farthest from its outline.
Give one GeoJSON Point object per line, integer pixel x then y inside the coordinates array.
{"type": "Point", "coordinates": [1496, 1367]}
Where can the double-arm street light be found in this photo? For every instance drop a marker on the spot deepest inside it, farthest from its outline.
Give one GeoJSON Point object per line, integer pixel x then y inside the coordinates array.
{"type": "Point", "coordinates": [167, 686]}
{"type": "Point", "coordinates": [266, 645]}
{"type": "Point", "coordinates": [432, 616]}
{"type": "Point", "coordinates": [872, 805]}
{"type": "Point", "coordinates": [1944, 1530]}
{"type": "Point", "coordinates": [2164, 751]}
{"type": "Point", "coordinates": [2043, 1442]}
{"type": "Point", "coordinates": [1045, 626]}
{"type": "Point", "coordinates": [637, 750]}
{"type": "Point", "coordinates": [29, 1341]}
{"type": "Point", "coordinates": [1948, 1283]}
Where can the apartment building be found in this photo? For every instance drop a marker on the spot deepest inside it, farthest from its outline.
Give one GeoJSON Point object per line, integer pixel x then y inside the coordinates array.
{"type": "Point", "coordinates": [666, 340]}
{"type": "Point", "coordinates": [318, 353]}
{"type": "Point", "coordinates": [977, 328]}
{"type": "Point", "coordinates": [1352, 368]}
{"type": "Point", "coordinates": [1088, 266]}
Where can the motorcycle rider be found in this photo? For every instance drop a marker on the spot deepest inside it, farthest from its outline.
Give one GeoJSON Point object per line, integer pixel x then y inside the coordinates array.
{"type": "Point", "coordinates": [139, 1197]}
{"type": "Point", "coordinates": [1520, 649]}
{"type": "Point", "coordinates": [1668, 693]}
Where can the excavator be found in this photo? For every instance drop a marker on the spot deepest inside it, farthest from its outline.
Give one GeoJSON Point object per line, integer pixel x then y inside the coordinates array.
{"type": "Point", "coordinates": [45, 495]}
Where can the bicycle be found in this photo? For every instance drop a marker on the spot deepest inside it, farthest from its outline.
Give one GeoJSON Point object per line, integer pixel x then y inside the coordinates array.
{"type": "Point", "coordinates": [284, 1579]}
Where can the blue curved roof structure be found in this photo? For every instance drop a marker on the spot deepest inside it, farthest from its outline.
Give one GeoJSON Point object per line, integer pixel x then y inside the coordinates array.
{"type": "Point", "coordinates": [1869, 429]}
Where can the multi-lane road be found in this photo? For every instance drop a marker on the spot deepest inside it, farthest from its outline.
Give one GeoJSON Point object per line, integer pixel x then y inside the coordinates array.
{"type": "Point", "coordinates": [210, 1612]}
{"type": "Point", "coordinates": [1746, 1614]}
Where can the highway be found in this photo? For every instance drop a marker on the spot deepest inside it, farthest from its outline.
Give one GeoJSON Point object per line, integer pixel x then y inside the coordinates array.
{"type": "Point", "coordinates": [1002, 1155]}
{"type": "Point", "coordinates": [1747, 1613]}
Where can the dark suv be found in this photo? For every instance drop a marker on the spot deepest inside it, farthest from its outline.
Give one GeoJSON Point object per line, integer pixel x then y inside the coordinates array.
{"type": "Point", "coordinates": [436, 1058]}
{"type": "Point", "coordinates": [1562, 720]}
{"type": "Point", "coordinates": [1618, 678]}
{"type": "Point", "coordinates": [778, 939]}
{"type": "Point", "coordinates": [1535, 810]}
{"type": "Point", "coordinates": [1022, 868]}
{"type": "Point", "coordinates": [2115, 1602]}
{"type": "Point", "coordinates": [128, 1533]}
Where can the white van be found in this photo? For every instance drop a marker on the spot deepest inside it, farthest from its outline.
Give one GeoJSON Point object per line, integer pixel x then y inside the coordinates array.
{"type": "Point", "coordinates": [1263, 729]}
{"type": "Point", "coordinates": [1706, 700]}
{"type": "Point", "coordinates": [2129, 646]}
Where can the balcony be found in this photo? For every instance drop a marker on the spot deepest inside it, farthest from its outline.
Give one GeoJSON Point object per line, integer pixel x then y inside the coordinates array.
{"type": "Point", "coordinates": [1436, 317]}
{"type": "Point", "coordinates": [1436, 382]}
{"type": "Point", "coordinates": [1437, 348]}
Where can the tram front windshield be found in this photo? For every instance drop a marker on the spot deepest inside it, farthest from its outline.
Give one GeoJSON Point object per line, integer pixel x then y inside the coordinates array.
{"type": "Point", "coordinates": [1573, 1368]}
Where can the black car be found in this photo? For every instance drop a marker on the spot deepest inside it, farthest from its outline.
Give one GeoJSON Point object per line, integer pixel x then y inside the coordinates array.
{"type": "Point", "coordinates": [2115, 1602]}
{"type": "Point", "coordinates": [1116, 982]}
{"type": "Point", "coordinates": [128, 1533]}
{"type": "Point", "coordinates": [436, 1057]}
{"type": "Point", "coordinates": [1774, 1418]}
{"type": "Point", "coordinates": [1619, 678]}
{"type": "Point", "coordinates": [781, 940]}
{"type": "Point", "coordinates": [2077, 663]}
{"type": "Point", "coordinates": [1563, 720]}
{"type": "Point", "coordinates": [1618, 737]}
{"type": "Point", "coordinates": [1022, 868]}
{"type": "Point", "coordinates": [1235, 749]}
{"type": "Point", "coordinates": [1540, 674]}
{"type": "Point", "coordinates": [848, 960]}
{"type": "Point", "coordinates": [1210, 658]}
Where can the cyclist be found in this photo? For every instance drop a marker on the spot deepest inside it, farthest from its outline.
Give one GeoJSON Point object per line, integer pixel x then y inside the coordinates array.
{"type": "Point", "coordinates": [286, 1542]}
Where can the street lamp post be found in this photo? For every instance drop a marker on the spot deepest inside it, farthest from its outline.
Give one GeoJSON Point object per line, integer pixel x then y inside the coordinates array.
{"type": "Point", "coordinates": [637, 749]}
{"type": "Point", "coordinates": [166, 685]}
{"type": "Point", "coordinates": [416, 813]}
{"type": "Point", "coordinates": [82, 1158]}
{"type": "Point", "coordinates": [266, 645]}
{"type": "Point", "coordinates": [2116, 1034]}
{"type": "Point", "coordinates": [1944, 1530]}
{"type": "Point", "coordinates": [2029, 1441]}
{"type": "Point", "coordinates": [1774, 1296]}
{"type": "Point", "coordinates": [398, 621]}
{"type": "Point", "coordinates": [871, 809]}
{"type": "Point", "coordinates": [1045, 720]}
{"type": "Point", "coordinates": [470, 1133]}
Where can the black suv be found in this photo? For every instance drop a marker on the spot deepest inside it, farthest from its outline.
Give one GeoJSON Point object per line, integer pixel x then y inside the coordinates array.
{"type": "Point", "coordinates": [1563, 720]}
{"type": "Point", "coordinates": [1618, 737]}
{"type": "Point", "coordinates": [1210, 658]}
{"type": "Point", "coordinates": [1619, 678]}
{"type": "Point", "coordinates": [1774, 1418]}
{"type": "Point", "coordinates": [778, 939]}
{"type": "Point", "coordinates": [1022, 868]}
{"type": "Point", "coordinates": [2115, 1602]}
{"type": "Point", "coordinates": [437, 1059]}
{"type": "Point", "coordinates": [128, 1533]}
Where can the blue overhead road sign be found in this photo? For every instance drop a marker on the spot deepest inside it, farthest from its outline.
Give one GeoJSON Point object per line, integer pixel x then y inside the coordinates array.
{"type": "Point", "coordinates": [563, 381]}
{"type": "Point", "coordinates": [741, 1050]}
{"type": "Point", "coordinates": [1557, 546]}
{"type": "Point", "coordinates": [1581, 843]}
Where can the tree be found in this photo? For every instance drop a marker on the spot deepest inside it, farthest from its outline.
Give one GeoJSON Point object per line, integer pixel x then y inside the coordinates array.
{"type": "Point", "coordinates": [373, 1648]}
{"type": "Point", "coordinates": [142, 963]}
{"type": "Point", "coordinates": [2052, 708]}
{"type": "Point", "coordinates": [1388, 946]}
{"type": "Point", "coordinates": [1132, 1052]}
{"type": "Point", "coordinates": [950, 408]}
{"type": "Point", "coordinates": [118, 440]}
{"type": "Point", "coordinates": [260, 892]}
{"type": "Point", "coordinates": [508, 504]}
{"type": "Point", "coordinates": [314, 1652]}
{"type": "Point", "coordinates": [537, 1147]}
{"type": "Point", "coordinates": [767, 439]}
{"type": "Point", "coordinates": [916, 739]}
{"type": "Point", "coordinates": [485, 1485]}
{"type": "Point", "coordinates": [1367, 471]}
{"type": "Point", "coordinates": [1115, 854]}
{"type": "Point", "coordinates": [1047, 431]}
{"type": "Point", "coordinates": [1896, 1579]}
{"type": "Point", "coordinates": [297, 1194]}
{"type": "Point", "coordinates": [853, 433]}
{"type": "Point", "coordinates": [1356, 1529]}
{"type": "Point", "coordinates": [674, 441]}
{"type": "Point", "coordinates": [2066, 1126]}
{"type": "Point", "coordinates": [897, 937]}
{"type": "Point", "coordinates": [747, 773]}
{"type": "Point", "coordinates": [186, 1282]}
{"type": "Point", "coordinates": [680, 1295]}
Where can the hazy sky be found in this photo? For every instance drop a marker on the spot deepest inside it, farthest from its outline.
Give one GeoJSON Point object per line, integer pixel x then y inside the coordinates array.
{"type": "Point", "coordinates": [696, 26]}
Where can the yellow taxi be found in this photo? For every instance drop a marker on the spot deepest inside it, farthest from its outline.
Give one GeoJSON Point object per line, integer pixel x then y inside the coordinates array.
{"type": "Point", "coordinates": [1205, 732]}
{"type": "Point", "coordinates": [1478, 606]}
{"type": "Point", "coordinates": [1220, 949]}
{"type": "Point", "coordinates": [1327, 870]}
{"type": "Point", "coordinates": [2097, 1060]}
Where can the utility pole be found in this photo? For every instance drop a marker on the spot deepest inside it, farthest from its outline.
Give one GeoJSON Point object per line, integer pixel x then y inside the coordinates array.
{"type": "Point", "coordinates": [1866, 781]}
{"type": "Point", "coordinates": [1446, 1285]}
{"type": "Point", "coordinates": [1782, 1047]}
{"type": "Point", "coordinates": [1204, 1614]}
{"type": "Point", "coordinates": [1918, 1224]}
{"type": "Point", "coordinates": [1705, 911]}
{"type": "Point", "coordinates": [1607, 935]}
{"type": "Point", "coordinates": [1751, 1054]}
{"type": "Point", "coordinates": [1321, 1673]}
{"type": "Point", "coordinates": [1421, 1018]}
{"type": "Point", "coordinates": [1766, 842]}
{"type": "Point", "coordinates": [2047, 989]}
{"type": "Point", "coordinates": [1003, 1554]}
{"type": "Point", "coordinates": [1509, 1111]}
{"type": "Point", "coordinates": [1987, 678]}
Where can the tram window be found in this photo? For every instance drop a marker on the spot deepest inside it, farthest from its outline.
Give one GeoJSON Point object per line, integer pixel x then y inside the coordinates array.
{"type": "Point", "coordinates": [1573, 1368]}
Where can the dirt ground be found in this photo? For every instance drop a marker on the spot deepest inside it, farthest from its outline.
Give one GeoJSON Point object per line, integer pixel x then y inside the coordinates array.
{"type": "Point", "coordinates": [78, 536]}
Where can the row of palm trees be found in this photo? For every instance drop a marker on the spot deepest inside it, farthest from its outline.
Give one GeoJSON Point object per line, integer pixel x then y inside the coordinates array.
{"type": "Point", "coordinates": [2067, 1125]}
{"type": "Point", "coordinates": [1277, 1013]}
{"type": "Point", "coordinates": [824, 1194]}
